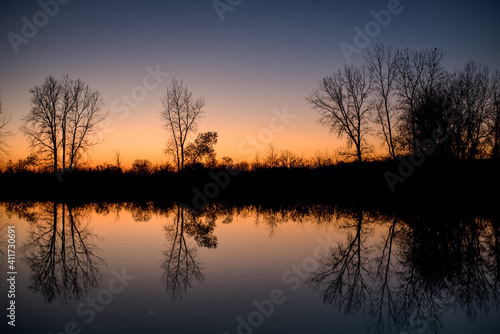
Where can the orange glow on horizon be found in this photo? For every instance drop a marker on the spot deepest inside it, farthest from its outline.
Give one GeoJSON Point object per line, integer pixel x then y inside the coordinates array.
{"type": "Point", "coordinates": [140, 135]}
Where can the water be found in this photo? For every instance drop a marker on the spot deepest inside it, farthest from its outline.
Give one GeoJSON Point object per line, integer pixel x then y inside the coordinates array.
{"type": "Point", "coordinates": [161, 268]}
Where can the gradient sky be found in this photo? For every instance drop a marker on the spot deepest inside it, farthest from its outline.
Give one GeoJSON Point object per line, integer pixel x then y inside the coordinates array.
{"type": "Point", "coordinates": [264, 56]}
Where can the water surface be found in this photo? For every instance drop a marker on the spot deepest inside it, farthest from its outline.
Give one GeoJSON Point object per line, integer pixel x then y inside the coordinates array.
{"type": "Point", "coordinates": [156, 268]}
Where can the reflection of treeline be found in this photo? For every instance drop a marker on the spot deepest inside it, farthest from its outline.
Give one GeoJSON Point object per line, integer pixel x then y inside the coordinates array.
{"type": "Point", "coordinates": [266, 214]}
{"type": "Point", "coordinates": [406, 274]}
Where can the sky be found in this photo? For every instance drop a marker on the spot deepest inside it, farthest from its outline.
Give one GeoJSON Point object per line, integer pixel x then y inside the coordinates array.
{"type": "Point", "coordinates": [250, 60]}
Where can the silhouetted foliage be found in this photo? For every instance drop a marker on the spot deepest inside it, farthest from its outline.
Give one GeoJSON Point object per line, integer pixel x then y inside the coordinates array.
{"type": "Point", "coordinates": [142, 166]}
{"type": "Point", "coordinates": [202, 149]}
{"type": "Point", "coordinates": [28, 164]}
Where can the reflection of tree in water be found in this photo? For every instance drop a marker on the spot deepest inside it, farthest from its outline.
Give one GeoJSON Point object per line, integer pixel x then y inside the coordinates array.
{"type": "Point", "coordinates": [345, 270]}
{"type": "Point", "coordinates": [61, 253]}
{"type": "Point", "coordinates": [403, 274]}
{"type": "Point", "coordinates": [494, 248]}
{"type": "Point", "coordinates": [384, 308]}
{"type": "Point", "coordinates": [450, 263]}
{"type": "Point", "coordinates": [181, 266]}
{"type": "Point", "coordinates": [271, 217]}
{"type": "Point", "coordinates": [415, 273]}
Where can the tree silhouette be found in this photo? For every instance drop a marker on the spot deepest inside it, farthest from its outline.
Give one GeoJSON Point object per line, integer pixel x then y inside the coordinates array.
{"type": "Point", "coordinates": [414, 100]}
{"type": "Point", "coordinates": [4, 133]}
{"type": "Point", "coordinates": [494, 116]}
{"type": "Point", "coordinates": [142, 166]}
{"type": "Point", "coordinates": [382, 64]}
{"type": "Point", "coordinates": [181, 114]}
{"type": "Point", "coordinates": [271, 157]}
{"type": "Point", "coordinates": [421, 85]}
{"type": "Point", "coordinates": [471, 99]}
{"type": "Point", "coordinates": [343, 103]}
{"type": "Point", "coordinates": [201, 148]}
{"type": "Point", "coordinates": [63, 122]}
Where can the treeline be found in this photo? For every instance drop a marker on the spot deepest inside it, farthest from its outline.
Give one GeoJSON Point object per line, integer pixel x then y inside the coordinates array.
{"type": "Point", "coordinates": [435, 184]}
{"type": "Point", "coordinates": [414, 104]}
{"type": "Point", "coordinates": [272, 157]}
{"type": "Point", "coordinates": [407, 98]}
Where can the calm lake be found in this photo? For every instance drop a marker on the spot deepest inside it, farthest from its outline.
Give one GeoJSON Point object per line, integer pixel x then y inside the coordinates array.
{"type": "Point", "coordinates": [163, 268]}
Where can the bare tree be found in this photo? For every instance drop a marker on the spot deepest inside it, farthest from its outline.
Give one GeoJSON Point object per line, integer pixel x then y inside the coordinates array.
{"type": "Point", "coordinates": [63, 122]}
{"type": "Point", "coordinates": [493, 120]}
{"type": "Point", "coordinates": [257, 163]}
{"type": "Point", "coordinates": [289, 159]}
{"type": "Point", "coordinates": [118, 161]}
{"type": "Point", "coordinates": [83, 120]}
{"type": "Point", "coordinates": [180, 113]}
{"type": "Point", "coordinates": [342, 101]}
{"type": "Point", "coordinates": [471, 98]}
{"type": "Point", "coordinates": [382, 65]}
{"type": "Point", "coordinates": [421, 82]}
{"type": "Point", "coordinates": [4, 133]}
{"type": "Point", "coordinates": [41, 124]}
{"type": "Point", "coordinates": [323, 159]}
{"type": "Point", "coordinates": [271, 158]}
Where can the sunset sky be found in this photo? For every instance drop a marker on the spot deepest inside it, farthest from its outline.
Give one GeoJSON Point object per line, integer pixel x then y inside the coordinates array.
{"type": "Point", "coordinates": [263, 56]}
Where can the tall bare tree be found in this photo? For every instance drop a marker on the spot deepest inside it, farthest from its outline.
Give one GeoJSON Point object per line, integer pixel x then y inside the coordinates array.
{"type": "Point", "coordinates": [471, 98]}
{"type": "Point", "coordinates": [63, 122]}
{"type": "Point", "coordinates": [494, 115]}
{"type": "Point", "coordinates": [421, 82]}
{"type": "Point", "coordinates": [83, 121]}
{"type": "Point", "coordinates": [342, 101]}
{"type": "Point", "coordinates": [382, 65]}
{"type": "Point", "coordinates": [4, 133]}
{"type": "Point", "coordinates": [180, 114]}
